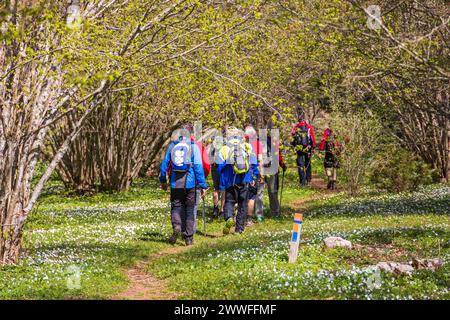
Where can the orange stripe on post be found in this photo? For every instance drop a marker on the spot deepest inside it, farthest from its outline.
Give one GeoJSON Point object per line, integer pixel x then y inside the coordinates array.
{"type": "Point", "coordinates": [295, 240]}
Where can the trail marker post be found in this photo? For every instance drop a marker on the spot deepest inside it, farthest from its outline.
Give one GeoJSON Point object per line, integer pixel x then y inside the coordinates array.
{"type": "Point", "coordinates": [295, 238]}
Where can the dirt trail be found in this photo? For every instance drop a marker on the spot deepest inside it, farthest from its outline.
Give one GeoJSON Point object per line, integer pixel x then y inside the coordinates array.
{"type": "Point", "coordinates": [316, 183]}
{"type": "Point", "coordinates": [144, 286]}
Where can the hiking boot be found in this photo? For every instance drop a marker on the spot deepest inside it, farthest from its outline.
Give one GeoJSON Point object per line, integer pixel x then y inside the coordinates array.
{"type": "Point", "coordinates": [333, 185]}
{"type": "Point", "coordinates": [249, 223]}
{"type": "Point", "coordinates": [329, 185]}
{"type": "Point", "coordinates": [228, 225]}
{"type": "Point", "coordinates": [189, 242]}
{"type": "Point", "coordinates": [173, 238]}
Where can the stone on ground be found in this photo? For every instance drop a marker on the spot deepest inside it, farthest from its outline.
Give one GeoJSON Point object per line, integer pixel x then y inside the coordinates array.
{"type": "Point", "coordinates": [333, 242]}
{"type": "Point", "coordinates": [395, 268]}
{"type": "Point", "coordinates": [427, 264]}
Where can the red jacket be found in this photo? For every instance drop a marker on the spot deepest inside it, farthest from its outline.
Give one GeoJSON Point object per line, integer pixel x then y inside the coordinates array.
{"type": "Point", "coordinates": [205, 159]}
{"type": "Point", "coordinates": [256, 146]}
{"type": "Point", "coordinates": [310, 129]}
{"type": "Point", "coordinates": [326, 133]}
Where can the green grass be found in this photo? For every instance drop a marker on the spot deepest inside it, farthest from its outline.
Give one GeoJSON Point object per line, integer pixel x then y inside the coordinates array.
{"type": "Point", "coordinates": [254, 265]}
{"type": "Point", "coordinates": [101, 235]}
{"type": "Point", "coordinates": [104, 234]}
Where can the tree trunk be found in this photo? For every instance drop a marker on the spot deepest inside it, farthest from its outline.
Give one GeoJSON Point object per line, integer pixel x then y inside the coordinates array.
{"type": "Point", "coordinates": [11, 239]}
{"type": "Point", "coordinates": [446, 142]}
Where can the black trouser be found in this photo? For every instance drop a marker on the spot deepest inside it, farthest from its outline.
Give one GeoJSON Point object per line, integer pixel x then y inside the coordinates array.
{"type": "Point", "coordinates": [304, 167]}
{"type": "Point", "coordinates": [237, 194]}
{"type": "Point", "coordinates": [215, 177]}
{"type": "Point", "coordinates": [183, 215]}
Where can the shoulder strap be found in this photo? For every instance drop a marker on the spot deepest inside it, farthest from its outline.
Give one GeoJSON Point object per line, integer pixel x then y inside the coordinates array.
{"type": "Point", "coordinates": [192, 152]}
{"type": "Point", "coordinates": [192, 166]}
{"type": "Point", "coordinates": [248, 148]}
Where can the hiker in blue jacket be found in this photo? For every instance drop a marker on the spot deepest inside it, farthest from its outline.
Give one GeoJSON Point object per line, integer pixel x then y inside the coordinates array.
{"type": "Point", "coordinates": [184, 161]}
{"type": "Point", "coordinates": [237, 167]}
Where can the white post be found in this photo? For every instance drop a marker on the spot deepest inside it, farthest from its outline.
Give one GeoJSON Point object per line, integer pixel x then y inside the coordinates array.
{"type": "Point", "coordinates": [295, 238]}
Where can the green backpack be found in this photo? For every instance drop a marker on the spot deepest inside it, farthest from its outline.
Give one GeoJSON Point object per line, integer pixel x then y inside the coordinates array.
{"type": "Point", "coordinates": [239, 156]}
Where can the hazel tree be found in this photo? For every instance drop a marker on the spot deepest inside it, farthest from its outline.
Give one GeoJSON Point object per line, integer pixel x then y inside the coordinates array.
{"type": "Point", "coordinates": [58, 62]}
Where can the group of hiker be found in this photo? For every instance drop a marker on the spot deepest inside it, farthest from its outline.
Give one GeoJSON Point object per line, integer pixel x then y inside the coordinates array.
{"type": "Point", "coordinates": [242, 166]}
{"type": "Point", "coordinates": [304, 143]}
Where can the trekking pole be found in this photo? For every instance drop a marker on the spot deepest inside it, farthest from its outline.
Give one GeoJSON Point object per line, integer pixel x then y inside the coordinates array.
{"type": "Point", "coordinates": [308, 166]}
{"type": "Point", "coordinates": [165, 218]}
{"type": "Point", "coordinates": [281, 191]}
{"type": "Point", "coordinates": [203, 214]}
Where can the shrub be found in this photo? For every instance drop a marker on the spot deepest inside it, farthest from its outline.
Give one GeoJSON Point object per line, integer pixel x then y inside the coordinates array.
{"type": "Point", "coordinates": [360, 139]}
{"type": "Point", "coordinates": [399, 170]}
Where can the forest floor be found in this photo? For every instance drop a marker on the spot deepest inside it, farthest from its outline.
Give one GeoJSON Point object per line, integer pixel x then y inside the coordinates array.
{"type": "Point", "coordinates": [144, 286]}
{"type": "Point", "coordinates": [110, 246]}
